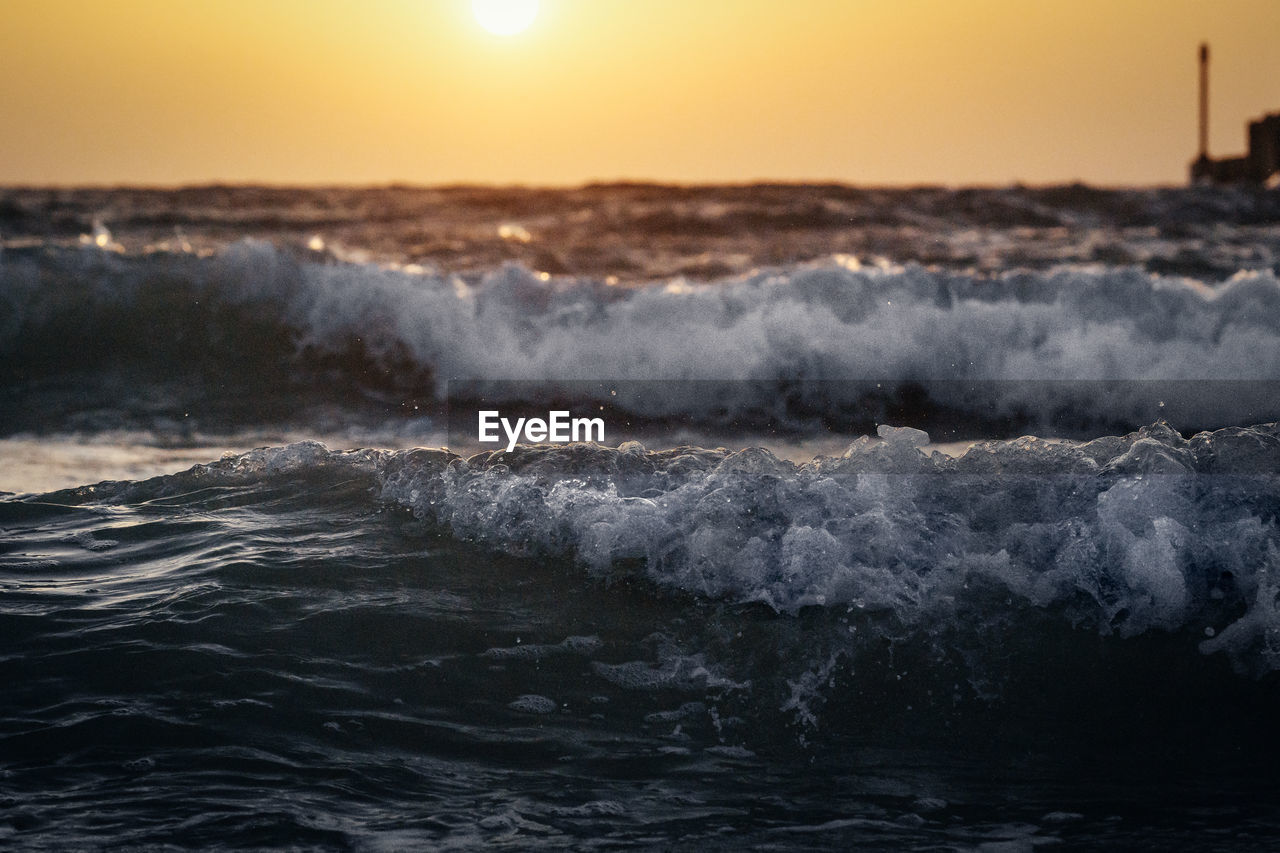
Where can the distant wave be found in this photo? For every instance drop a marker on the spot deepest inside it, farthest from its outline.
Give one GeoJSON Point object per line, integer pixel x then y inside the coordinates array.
{"type": "Point", "coordinates": [253, 314]}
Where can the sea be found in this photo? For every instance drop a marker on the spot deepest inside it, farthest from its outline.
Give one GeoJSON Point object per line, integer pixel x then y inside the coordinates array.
{"type": "Point", "coordinates": [923, 518]}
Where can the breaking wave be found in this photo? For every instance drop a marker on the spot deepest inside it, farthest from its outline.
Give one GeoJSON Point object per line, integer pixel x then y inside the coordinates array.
{"type": "Point", "coordinates": [1122, 536]}
{"type": "Point", "coordinates": [254, 317]}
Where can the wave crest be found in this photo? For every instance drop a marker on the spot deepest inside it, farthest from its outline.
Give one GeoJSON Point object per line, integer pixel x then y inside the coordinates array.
{"type": "Point", "coordinates": [253, 315]}
{"type": "Point", "coordinates": [1122, 535]}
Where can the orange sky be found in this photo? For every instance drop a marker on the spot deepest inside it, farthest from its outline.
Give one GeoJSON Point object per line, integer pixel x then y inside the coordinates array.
{"type": "Point", "coordinates": [863, 91]}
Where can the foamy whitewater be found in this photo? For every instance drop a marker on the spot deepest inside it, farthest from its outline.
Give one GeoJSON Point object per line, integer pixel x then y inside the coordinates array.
{"type": "Point", "coordinates": [972, 547]}
{"type": "Point", "coordinates": [1041, 346]}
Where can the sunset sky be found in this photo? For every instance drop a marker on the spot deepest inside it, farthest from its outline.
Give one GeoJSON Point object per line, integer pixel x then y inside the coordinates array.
{"type": "Point", "coordinates": [861, 91]}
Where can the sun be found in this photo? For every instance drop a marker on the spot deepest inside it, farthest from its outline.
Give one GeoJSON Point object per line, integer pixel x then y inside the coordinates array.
{"type": "Point", "coordinates": [505, 17]}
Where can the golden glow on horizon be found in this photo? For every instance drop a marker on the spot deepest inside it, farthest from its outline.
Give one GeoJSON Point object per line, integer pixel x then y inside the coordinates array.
{"type": "Point", "coordinates": [505, 17]}
{"type": "Point", "coordinates": [862, 91]}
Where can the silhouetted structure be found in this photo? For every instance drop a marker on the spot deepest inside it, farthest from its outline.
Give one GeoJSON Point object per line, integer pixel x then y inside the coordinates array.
{"type": "Point", "coordinates": [1260, 166]}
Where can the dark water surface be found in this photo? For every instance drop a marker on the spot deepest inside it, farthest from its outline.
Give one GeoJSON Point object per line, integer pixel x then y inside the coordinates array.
{"type": "Point", "coordinates": [998, 644]}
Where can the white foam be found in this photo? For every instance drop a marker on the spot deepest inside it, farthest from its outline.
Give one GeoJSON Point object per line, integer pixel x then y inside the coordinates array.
{"type": "Point", "coordinates": [832, 322]}
{"type": "Point", "coordinates": [1125, 534]}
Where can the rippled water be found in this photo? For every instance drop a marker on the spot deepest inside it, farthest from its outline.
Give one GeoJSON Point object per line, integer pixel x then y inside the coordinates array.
{"type": "Point", "coordinates": [804, 638]}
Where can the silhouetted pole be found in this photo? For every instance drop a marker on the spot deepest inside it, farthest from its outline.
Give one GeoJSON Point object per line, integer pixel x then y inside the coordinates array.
{"type": "Point", "coordinates": [1204, 101]}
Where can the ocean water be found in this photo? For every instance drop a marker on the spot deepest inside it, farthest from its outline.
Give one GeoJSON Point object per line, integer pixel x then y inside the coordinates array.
{"type": "Point", "coordinates": [926, 519]}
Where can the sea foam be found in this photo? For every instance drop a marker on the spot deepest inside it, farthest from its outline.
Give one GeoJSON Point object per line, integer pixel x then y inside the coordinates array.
{"type": "Point", "coordinates": [1122, 536]}
{"type": "Point", "coordinates": [850, 329]}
